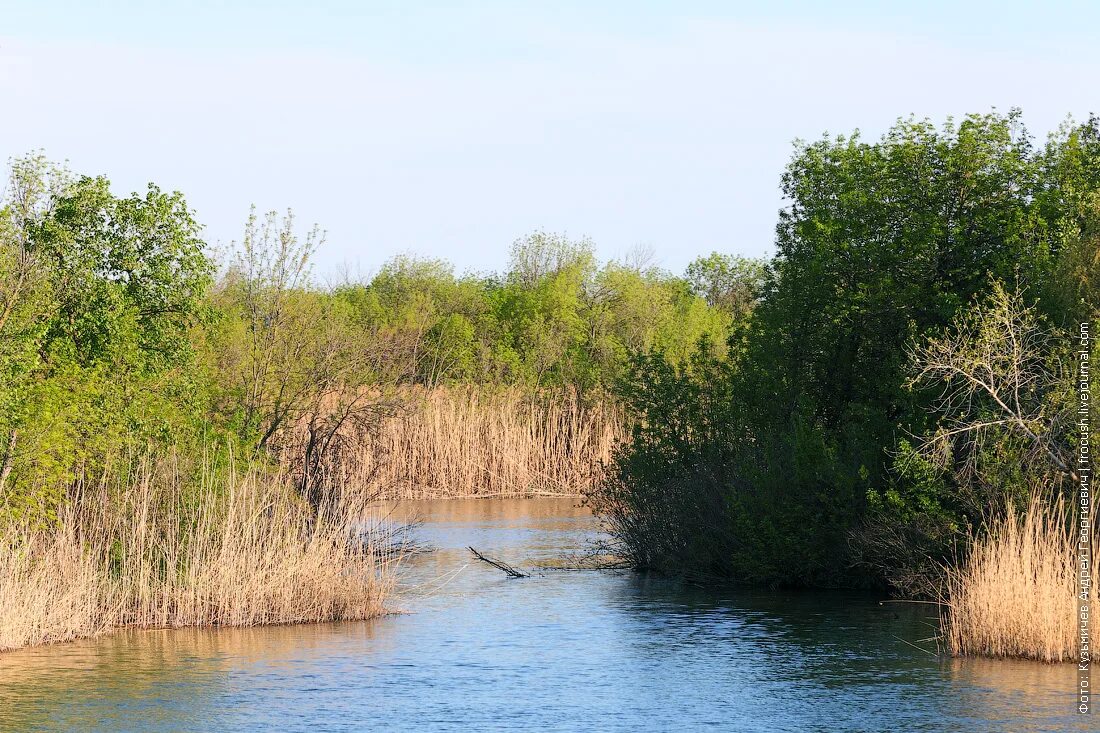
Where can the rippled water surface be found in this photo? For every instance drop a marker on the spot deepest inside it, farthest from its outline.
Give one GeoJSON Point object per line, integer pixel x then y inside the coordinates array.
{"type": "Point", "coordinates": [584, 650]}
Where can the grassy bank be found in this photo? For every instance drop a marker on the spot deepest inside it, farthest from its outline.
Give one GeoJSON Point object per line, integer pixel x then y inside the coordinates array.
{"type": "Point", "coordinates": [146, 548]}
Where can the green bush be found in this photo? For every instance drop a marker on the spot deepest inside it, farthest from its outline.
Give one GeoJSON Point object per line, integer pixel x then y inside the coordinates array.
{"type": "Point", "coordinates": [767, 464]}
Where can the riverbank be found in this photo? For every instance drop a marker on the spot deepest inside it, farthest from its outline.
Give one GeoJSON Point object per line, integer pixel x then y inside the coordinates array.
{"type": "Point", "coordinates": [160, 544]}
{"type": "Point", "coordinates": [151, 550]}
{"type": "Point", "coordinates": [484, 651]}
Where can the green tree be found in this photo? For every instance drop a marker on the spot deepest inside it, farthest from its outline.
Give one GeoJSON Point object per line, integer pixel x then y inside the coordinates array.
{"type": "Point", "coordinates": [730, 282]}
{"type": "Point", "coordinates": [292, 367]}
{"type": "Point", "coordinates": [98, 298]}
{"type": "Point", "coordinates": [1070, 201]}
{"type": "Point", "coordinates": [880, 245]}
{"type": "Point", "coordinates": [1004, 432]}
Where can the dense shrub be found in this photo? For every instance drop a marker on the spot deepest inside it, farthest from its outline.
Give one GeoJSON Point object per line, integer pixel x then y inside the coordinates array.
{"type": "Point", "coordinates": [767, 465]}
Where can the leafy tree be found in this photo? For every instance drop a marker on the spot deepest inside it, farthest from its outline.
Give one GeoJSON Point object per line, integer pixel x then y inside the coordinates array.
{"type": "Point", "coordinates": [1004, 431]}
{"type": "Point", "coordinates": [730, 282]}
{"type": "Point", "coordinates": [880, 245]}
{"type": "Point", "coordinates": [98, 298]}
{"type": "Point", "coordinates": [290, 360]}
{"type": "Point", "coordinates": [129, 274]}
{"type": "Point", "coordinates": [450, 349]}
{"type": "Point", "coordinates": [1070, 201]}
{"type": "Point", "coordinates": [541, 255]}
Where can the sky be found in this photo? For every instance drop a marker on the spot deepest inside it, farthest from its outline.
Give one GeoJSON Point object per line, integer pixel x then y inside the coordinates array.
{"type": "Point", "coordinates": [448, 130]}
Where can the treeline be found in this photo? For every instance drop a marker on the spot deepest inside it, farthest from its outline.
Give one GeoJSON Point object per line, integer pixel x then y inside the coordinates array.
{"type": "Point", "coordinates": [905, 377]}
{"type": "Point", "coordinates": [121, 335]}
{"type": "Point", "coordinates": [554, 318]}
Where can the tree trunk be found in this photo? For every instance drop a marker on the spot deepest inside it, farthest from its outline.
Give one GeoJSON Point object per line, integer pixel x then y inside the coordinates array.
{"type": "Point", "coordinates": [9, 456]}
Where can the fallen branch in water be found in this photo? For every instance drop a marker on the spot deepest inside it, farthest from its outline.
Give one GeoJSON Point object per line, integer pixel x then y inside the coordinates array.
{"type": "Point", "coordinates": [499, 565]}
{"type": "Point", "coordinates": [585, 562]}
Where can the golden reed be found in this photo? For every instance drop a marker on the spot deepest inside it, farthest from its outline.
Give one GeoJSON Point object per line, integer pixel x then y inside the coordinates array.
{"type": "Point", "coordinates": [145, 551]}
{"type": "Point", "coordinates": [1016, 594]}
{"type": "Point", "coordinates": [466, 442]}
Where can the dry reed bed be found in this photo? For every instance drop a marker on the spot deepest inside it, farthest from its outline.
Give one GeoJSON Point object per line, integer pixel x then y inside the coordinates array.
{"type": "Point", "coordinates": [1016, 594]}
{"type": "Point", "coordinates": [459, 442]}
{"type": "Point", "coordinates": [156, 554]}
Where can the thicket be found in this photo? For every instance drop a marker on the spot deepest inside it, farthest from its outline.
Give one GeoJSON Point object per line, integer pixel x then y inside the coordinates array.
{"type": "Point", "coordinates": [878, 406]}
{"type": "Point", "coordinates": [852, 412]}
{"type": "Point", "coordinates": [555, 318]}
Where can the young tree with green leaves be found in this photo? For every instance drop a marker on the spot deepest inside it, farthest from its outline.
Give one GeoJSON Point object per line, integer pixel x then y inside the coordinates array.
{"type": "Point", "coordinates": [100, 293]}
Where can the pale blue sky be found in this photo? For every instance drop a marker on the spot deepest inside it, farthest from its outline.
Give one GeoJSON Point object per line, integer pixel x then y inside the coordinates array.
{"type": "Point", "coordinates": [450, 129]}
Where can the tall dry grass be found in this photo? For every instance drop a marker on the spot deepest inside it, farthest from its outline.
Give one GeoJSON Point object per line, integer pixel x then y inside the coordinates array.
{"type": "Point", "coordinates": [467, 442]}
{"type": "Point", "coordinates": [149, 549]}
{"type": "Point", "coordinates": [1016, 593]}
{"type": "Point", "coordinates": [51, 588]}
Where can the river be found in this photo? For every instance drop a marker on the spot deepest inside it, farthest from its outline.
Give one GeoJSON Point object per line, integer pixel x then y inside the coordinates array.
{"type": "Point", "coordinates": [560, 650]}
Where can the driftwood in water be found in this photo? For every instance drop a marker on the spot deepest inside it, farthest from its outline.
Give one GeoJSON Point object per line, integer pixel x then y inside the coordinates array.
{"type": "Point", "coordinates": [499, 565]}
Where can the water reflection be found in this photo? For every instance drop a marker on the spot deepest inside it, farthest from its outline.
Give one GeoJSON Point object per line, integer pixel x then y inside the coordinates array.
{"type": "Point", "coordinates": [557, 651]}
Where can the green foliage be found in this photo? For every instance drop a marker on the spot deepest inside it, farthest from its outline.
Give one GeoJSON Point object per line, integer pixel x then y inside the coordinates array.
{"type": "Point", "coordinates": [450, 349]}
{"type": "Point", "coordinates": [1003, 433]}
{"type": "Point", "coordinates": [128, 273]}
{"type": "Point", "coordinates": [880, 247]}
{"type": "Point", "coordinates": [1070, 201]}
{"type": "Point", "coordinates": [554, 319]}
{"type": "Point", "coordinates": [99, 297]}
{"type": "Point", "coordinates": [779, 435]}
{"type": "Point", "coordinates": [541, 256]}
{"type": "Point", "coordinates": [730, 282]}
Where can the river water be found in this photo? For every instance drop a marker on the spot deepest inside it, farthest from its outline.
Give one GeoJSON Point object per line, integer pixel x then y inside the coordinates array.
{"type": "Point", "coordinates": [561, 650]}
